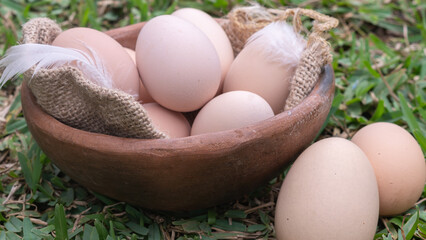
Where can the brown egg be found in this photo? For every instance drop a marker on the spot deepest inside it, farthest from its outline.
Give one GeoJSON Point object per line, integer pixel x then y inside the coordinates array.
{"type": "Point", "coordinates": [329, 193]}
{"type": "Point", "coordinates": [178, 64]}
{"type": "Point", "coordinates": [117, 63]}
{"type": "Point", "coordinates": [144, 96]}
{"type": "Point", "coordinates": [231, 110]}
{"type": "Point", "coordinates": [173, 124]}
{"type": "Point", "coordinates": [214, 32]}
{"type": "Point", "coordinates": [398, 162]}
{"type": "Point", "coordinates": [266, 64]}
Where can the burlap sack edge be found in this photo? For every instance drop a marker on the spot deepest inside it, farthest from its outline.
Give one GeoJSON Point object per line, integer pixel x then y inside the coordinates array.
{"type": "Point", "coordinates": [122, 116]}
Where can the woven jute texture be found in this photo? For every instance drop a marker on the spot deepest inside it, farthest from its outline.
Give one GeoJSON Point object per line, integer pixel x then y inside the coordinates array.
{"type": "Point", "coordinates": [67, 95]}
{"type": "Point", "coordinates": [244, 21]}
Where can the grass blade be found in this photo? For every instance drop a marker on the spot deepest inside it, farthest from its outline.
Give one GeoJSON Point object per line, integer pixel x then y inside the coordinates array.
{"type": "Point", "coordinates": [111, 230]}
{"type": "Point", "coordinates": [337, 100]}
{"type": "Point", "coordinates": [235, 214]}
{"type": "Point", "coordinates": [411, 225]}
{"type": "Point", "coordinates": [100, 228]}
{"type": "Point", "coordinates": [60, 223]}
{"type": "Point", "coordinates": [412, 122]}
{"type": "Point", "coordinates": [379, 111]}
{"type": "Point", "coordinates": [211, 216]}
{"type": "Point", "coordinates": [381, 45]}
{"type": "Point", "coordinates": [154, 232]}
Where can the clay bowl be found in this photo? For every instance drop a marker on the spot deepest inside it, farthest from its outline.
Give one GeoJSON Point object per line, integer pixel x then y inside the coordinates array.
{"type": "Point", "coordinates": [180, 174]}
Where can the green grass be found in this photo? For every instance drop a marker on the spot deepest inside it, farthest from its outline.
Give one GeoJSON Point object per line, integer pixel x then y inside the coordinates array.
{"type": "Point", "coordinates": [380, 69]}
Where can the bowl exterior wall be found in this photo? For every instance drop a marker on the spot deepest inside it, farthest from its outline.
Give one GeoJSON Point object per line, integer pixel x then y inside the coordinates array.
{"type": "Point", "coordinates": [185, 173]}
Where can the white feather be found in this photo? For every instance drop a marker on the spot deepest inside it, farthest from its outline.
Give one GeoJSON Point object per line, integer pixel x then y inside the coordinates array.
{"type": "Point", "coordinates": [19, 59]}
{"type": "Point", "coordinates": [279, 43]}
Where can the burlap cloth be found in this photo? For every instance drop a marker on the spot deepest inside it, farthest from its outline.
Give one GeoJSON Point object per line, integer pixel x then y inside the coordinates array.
{"type": "Point", "coordinates": [67, 95]}
{"type": "Point", "coordinates": [245, 21]}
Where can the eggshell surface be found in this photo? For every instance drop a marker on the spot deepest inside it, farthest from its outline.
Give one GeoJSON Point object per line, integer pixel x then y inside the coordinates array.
{"type": "Point", "coordinates": [173, 124]}
{"type": "Point", "coordinates": [117, 62]}
{"type": "Point", "coordinates": [330, 193]}
{"type": "Point", "coordinates": [266, 64]}
{"type": "Point", "coordinates": [178, 64]}
{"type": "Point", "coordinates": [398, 162]}
{"type": "Point", "coordinates": [144, 96]}
{"type": "Point", "coordinates": [230, 111]}
{"type": "Point", "coordinates": [214, 32]}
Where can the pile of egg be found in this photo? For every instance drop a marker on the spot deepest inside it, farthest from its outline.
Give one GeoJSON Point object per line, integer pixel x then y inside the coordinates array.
{"type": "Point", "coordinates": [337, 189]}
{"type": "Point", "coordinates": [184, 63]}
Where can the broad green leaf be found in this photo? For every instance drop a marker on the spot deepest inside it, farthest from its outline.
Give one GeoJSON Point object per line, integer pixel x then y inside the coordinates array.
{"type": "Point", "coordinates": [58, 182]}
{"type": "Point", "coordinates": [205, 227]}
{"type": "Point", "coordinates": [100, 228]}
{"type": "Point", "coordinates": [381, 45]}
{"type": "Point", "coordinates": [27, 226]}
{"type": "Point", "coordinates": [76, 232]}
{"type": "Point", "coordinates": [338, 99]}
{"type": "Point", "coordinates": [397, 221]}
{"type": "Point", "coordinates": [111, 231]}
{"type": "Point", "coordinates": [191, 226]}
{"type": "Point", "coordinates": [47, 229]}
{"type": "Point", "coordinates": [380, 109]}
{"type": "Point", "coordinates": [422, 228]}
{"type": "Point", "coordinates": [373, 72]}
{"type": "Point", "coordinates": [61, 228]}
{"type": "Point", "coordinates": [31, 167]}
{"type": "Point", "coordinates": [89, 217]}
{"type": "Point", "coordinates": [154, 232]}
{"type": "Point", "coordinates": [104, 199]}
{"type": "Point", "coordinates": [26, 169]}
{"type": "Point", "coordinates": [256, 228]}
{"type": "Point", "coordinates": [224, 225]}
{"type": "Point", "coordinates": [211, 216]}
{"type": "Point", "coordinates": [235, 214]}
{"type": "Point", "coordinates": [412, 122]}
{"type": "Point", "coordinates": [421, 108]}
{"type": "Point", "coordinates": [16, 222]}
{"type": "Point", "coordinates": [388, 237]}
{"type": "Point", "coordinates": [90, 233]}
{"type": "Point", "coordinates": [2, 218]}
{"type": "Point", "coordinates": [363, 88]}
{"type": "Point", "coordinates": [423, 69]}
{"type": "Point", "coordinates": [137, 228]}
{"type": "Point", "coordinates": [400, 237]}
{"type": "Point", "coordinates": [136, 214]}
{"type": "Point", "coordinates": [12, 236]}
{"type": "Point", "coordinates": [226, 235]}
{"type": "Point", "coordinates": [46, 190]}
{"type": "Point", "coordinates": [411, 225]}
{"type": "Point", "coordinates": [67, 196]}
{"type": "Point", "coordinates": [10, 227]}
{"type": "Point", "coordinates": [18, 124]}
{"type": "Point", "coordinates": [264, 217]}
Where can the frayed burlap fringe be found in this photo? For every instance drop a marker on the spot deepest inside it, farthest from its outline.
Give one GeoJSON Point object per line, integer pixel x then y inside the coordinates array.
{"type": "Point", "coordinates": [244, 21]}
{"type": "Point", "coordinates": [67, 95]}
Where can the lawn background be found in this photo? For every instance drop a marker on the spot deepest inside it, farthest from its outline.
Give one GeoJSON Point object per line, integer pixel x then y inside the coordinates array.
{"type": "Point", "coordinates": [380, 68]}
